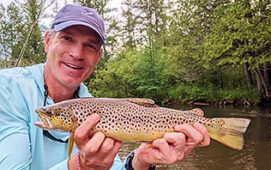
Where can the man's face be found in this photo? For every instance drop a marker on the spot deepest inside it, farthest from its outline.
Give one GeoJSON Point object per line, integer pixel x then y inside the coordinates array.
{"type": "Point", "coordinates": [72, 54]}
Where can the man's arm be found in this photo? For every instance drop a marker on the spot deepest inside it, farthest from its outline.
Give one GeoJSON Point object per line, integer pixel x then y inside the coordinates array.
{"type": "Point", "coordinates": [14, 136]}
{"type": "Point", "coordinates": [15, 150]}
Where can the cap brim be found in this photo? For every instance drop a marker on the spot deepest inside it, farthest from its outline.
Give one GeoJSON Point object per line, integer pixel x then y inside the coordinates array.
{"type": "Point", "coordinates": [64, 25]}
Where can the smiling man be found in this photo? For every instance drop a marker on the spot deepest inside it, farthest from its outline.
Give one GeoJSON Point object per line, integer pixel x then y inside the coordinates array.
{"type": "Point", "coordinates": [72, 55]}
{"type": "Point", "coordinates": [73, 47]}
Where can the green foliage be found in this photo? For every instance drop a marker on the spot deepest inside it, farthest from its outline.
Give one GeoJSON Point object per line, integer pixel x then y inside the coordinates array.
{"type": "Point", "coordinates": [185, 50]}
{"type": "Point", "coordinates": [200, 56]}
{"type": "Point", "coordinates": [17, 22]}
{"type": "Point", "coordinates": [186, 93]}
{"type": "Point", "coordinates": [150, 74]}
{"type": "Point", "coordinates": [11, 29]}
{"type": "Point", "coordinates": [134, 74]}
{"type": "Point", "coordinates": [240, 33]}
{"type": "Point", "coordinates": [115, 79]}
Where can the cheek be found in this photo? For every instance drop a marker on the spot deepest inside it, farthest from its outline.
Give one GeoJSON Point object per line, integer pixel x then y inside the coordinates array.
{"type": "Point", "coordinates": [52, 54]}
{"type": "Point", "coordinates": [93, 61]}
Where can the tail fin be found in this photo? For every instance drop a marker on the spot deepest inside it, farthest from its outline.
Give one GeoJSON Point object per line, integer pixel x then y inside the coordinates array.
{"type": "Point", "coordinates": [231, 133]}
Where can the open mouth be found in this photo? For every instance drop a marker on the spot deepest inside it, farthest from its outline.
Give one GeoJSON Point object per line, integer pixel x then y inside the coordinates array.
{"type": "Point", "coordinates": [44, 117]}
{"type": "Point", "coordinates": [45, 123]}
{"type": "Point", "coordinates": [73, 66]}
{"type": "Point", "coordinates": [40, 124]}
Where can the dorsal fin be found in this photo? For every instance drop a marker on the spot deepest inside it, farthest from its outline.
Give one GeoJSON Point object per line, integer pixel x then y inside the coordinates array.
{"type": "Point", "coordinates": [142, 102]}
{"type": "Point", "coordinates": [196, 111]}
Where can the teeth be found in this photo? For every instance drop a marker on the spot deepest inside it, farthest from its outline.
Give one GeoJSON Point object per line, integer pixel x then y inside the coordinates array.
{"type": "Point", "coordinates": [73, 66]}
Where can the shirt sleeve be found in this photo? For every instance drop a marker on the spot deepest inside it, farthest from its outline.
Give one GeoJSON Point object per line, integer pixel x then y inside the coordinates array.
{"type": "Point", "coordinates": [61, 166]}
{"type": "Point", "coordinates": [14, 132]}
{"type": "Point", "coordinates": [118, 164]}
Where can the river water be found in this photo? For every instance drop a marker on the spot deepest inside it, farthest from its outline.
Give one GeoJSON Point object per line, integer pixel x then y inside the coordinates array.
{"type": "Point", "coordinates": [256, 154]}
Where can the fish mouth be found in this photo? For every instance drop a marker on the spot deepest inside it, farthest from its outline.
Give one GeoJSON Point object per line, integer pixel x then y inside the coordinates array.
{"type": "Point", "coordinates": [40, 124]}
{"type": "Point", "coordinates": [45, 123]}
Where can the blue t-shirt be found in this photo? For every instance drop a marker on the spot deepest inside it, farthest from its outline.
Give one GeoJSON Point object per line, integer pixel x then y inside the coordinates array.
{"type": "Point", "coordinates": [22, 144]}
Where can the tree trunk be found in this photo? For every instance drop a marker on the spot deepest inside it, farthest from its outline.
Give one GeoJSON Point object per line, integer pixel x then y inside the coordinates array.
{"type": "Point", "coordinates": [221, 79]}
{"type": "Point", "coordinates": [258, 80]}
{"type": "Point", "coordinates": [250, 81]}
{"type": "Point", "coordinates": [267, 73]}
{"type": "Point", "coordinates": [262, 87]}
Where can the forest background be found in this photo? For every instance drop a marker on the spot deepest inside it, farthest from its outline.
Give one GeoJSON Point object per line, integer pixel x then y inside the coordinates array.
{"type": "Point", "coordinates": [172, 51]}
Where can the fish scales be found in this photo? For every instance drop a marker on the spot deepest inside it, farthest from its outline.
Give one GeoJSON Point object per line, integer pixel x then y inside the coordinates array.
{"type": "Point", "coordinates": [136, 119]}
{"type": "Point", "coordinates": [129, 121]}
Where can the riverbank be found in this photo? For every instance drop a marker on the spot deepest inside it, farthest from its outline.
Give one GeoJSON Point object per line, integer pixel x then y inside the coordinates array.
{"type": "Point", "coordinates": [247, 103]}
{"type": "Point", "coordinates": [197, 95]}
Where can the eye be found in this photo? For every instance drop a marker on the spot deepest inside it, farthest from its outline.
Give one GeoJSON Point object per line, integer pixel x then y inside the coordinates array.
{"type": "Point", "coordinates": [92, 46]}
{"type": "Point", "coordinates": [68, 38]}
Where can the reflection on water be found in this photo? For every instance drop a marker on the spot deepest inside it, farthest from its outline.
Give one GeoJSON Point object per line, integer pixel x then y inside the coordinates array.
{"type": "Point", "coordinates": [256, 154]}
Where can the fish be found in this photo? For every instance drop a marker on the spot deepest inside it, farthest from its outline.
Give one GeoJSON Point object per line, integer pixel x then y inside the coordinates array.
{"type": "Point", "coordinates": [136, 120]}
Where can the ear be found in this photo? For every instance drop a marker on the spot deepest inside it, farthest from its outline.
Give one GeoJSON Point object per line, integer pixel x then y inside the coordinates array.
{"type": "Point", "coordinates": [101, 52]}
{"type": "Point", "coordinates": [46, 41]}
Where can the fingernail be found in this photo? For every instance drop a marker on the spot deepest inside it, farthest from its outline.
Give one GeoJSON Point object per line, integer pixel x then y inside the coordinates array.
{"type": "Point", "coordinates": [95, 116]}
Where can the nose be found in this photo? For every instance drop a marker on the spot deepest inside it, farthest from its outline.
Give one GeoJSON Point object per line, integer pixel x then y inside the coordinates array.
{"type": "Point", "coordinates": [76, 51]}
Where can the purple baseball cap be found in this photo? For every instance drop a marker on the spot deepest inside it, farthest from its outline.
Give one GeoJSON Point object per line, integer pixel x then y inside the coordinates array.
{"type": "Point", "coordinates": [71, 15]}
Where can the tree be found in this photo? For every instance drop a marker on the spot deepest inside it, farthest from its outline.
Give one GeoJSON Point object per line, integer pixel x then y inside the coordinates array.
{"type": "Point", "coordinates": [130, 29]}
{"type": "Point", "coordinates": [240, 35]}
{"type": "Point", "coordinates": [32, 47]}
{"type": "Point", "coordinates": [20, 33]}
{"type": "Point", "coordinates": [11, 33]}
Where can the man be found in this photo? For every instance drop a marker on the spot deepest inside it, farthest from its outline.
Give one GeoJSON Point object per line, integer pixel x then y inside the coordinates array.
{"type": "Point", "coordinates": [73, 47]}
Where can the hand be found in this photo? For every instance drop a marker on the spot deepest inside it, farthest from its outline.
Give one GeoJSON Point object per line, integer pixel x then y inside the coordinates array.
{"type": "Point", "coordinates": [96, 151]}
{"type": "Point", "coordinates": [197, 136]}
{"type": "Point", "coordinates": [172, 147]}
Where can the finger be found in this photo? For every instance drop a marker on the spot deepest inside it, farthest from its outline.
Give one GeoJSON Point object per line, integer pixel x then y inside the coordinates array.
{"type": "Point", "coordinates": [107, 145]}
{"type": "Point", "coordinates": [108, 151]}
{"type": "Point", "coordinates": [204, 132]}
{"type": "Point", "coordinates": [190, 132]}
{"type": "Point", "coordinates": [81, 134]}
{"type": "Point", "coordinates": [163, 147]}
{"type": "Point", "coordinates": [177, 139]}
{"type": "Point", "coordinates": [115, 149]}
{"type": "Point", "coordinates": [94, 143]}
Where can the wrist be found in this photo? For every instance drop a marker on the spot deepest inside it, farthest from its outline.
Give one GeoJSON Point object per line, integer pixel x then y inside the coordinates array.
{"type": "Point", "coordinates": [78, 161]}
{"type": "Point", "coordinates": [134, 164]}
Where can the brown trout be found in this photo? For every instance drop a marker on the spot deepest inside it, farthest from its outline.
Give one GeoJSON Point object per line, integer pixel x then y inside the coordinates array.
{"type": "Point", "coordinates": [136, 119]}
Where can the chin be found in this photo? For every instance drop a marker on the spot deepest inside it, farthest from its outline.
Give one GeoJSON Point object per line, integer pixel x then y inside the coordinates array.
{"type": "Point", "coordinates": [72, 82]}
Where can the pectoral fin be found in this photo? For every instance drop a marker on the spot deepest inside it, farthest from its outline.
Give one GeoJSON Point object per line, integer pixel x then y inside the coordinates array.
{"type": "Point", "coordinates": [70, 144]}
{"type": "Point", "coordinates": [71, 138]}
